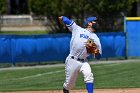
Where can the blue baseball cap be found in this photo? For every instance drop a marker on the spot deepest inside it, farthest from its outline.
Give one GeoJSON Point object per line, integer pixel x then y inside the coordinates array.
{"type": "Point", "coordinates": [89, 19]}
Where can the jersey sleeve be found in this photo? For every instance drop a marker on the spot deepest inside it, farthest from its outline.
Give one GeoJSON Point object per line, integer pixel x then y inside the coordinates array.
{"type": "Point", "coordinates": [97, 42]}
{"type": "Point", "coordinates": [69, 23]}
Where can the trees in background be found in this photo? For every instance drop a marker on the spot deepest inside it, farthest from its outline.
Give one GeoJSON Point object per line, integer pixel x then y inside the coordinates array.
{"type": "Point", "coordinates": [2, 10]}
{"type": "Point", "coordinates": [110, 13]}
{"type": "Point", "coordinates": [3, 6]}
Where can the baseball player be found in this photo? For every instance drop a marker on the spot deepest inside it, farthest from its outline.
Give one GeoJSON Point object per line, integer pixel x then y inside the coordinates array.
{"type": "Point", "coordinates": [77, 59]}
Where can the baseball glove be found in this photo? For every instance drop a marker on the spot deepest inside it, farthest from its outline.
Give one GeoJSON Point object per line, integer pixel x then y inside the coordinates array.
{"type": "Point", "coordinates": [91, 47]}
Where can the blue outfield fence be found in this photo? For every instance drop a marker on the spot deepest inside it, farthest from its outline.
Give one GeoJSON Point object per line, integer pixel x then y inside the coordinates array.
{"type": "Point", "coordinates": [37, 48]}
{"type": "Point", "coordinates": [113, 44]}
{"type": "Point", "coordinates": [5, 48]}
{"type": "Point", "coordinates": [132, 28]}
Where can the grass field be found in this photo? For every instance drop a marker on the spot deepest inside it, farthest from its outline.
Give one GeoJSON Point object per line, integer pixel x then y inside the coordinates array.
{"type": "Point", "coordinates": [113, 75]}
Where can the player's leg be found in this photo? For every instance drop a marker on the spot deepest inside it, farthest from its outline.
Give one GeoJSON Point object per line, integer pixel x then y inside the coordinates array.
{"type": "Point", "coordinates": [71, 71]}
{"type": "Point", "coordinates": [88, 77]}
{"type": "Point", "coordinates": [65, 91]}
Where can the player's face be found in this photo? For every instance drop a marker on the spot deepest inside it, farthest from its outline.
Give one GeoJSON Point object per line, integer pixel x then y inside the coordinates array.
{"type": "Point", "coordinates": [91, 23]}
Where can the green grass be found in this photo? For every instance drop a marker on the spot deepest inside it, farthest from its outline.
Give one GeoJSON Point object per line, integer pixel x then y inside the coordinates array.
{"type": "Point", "coordinates": [115, 75]}
{"type": "Point", "coordinates": [31, 79]}
{"type": "Point", "coordinates": [124, 75]}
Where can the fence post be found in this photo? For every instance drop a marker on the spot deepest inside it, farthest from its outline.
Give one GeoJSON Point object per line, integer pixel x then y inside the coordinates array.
{"type": "Point", "coordinates": [126, 39]}
{"type": "Point", "coordinates": [12, 51]}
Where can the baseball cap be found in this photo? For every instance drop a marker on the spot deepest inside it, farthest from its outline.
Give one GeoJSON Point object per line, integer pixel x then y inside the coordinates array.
{"type": "Point", "coordinates": [89, 19]}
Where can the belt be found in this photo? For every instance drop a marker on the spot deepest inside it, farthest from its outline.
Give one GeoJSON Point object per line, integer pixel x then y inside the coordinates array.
{"type": "Point", "coordinates": [78, 59]}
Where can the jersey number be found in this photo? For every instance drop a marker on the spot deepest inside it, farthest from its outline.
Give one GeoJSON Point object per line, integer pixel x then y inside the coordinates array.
{"type": "Point", "coordinates": [84, 36]}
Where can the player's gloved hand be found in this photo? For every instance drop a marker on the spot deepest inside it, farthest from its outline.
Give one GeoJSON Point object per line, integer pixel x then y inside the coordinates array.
{"type": "Point", "coordinates": [91, 47]}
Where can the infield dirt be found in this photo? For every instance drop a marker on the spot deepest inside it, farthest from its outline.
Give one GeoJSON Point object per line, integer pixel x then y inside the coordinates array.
{"type": "Point", "coordinates": [127, 90]}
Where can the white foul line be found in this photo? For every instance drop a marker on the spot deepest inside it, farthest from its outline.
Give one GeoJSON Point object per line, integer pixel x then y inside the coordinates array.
{"type": "Point", "coordinates": [37, 75]}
